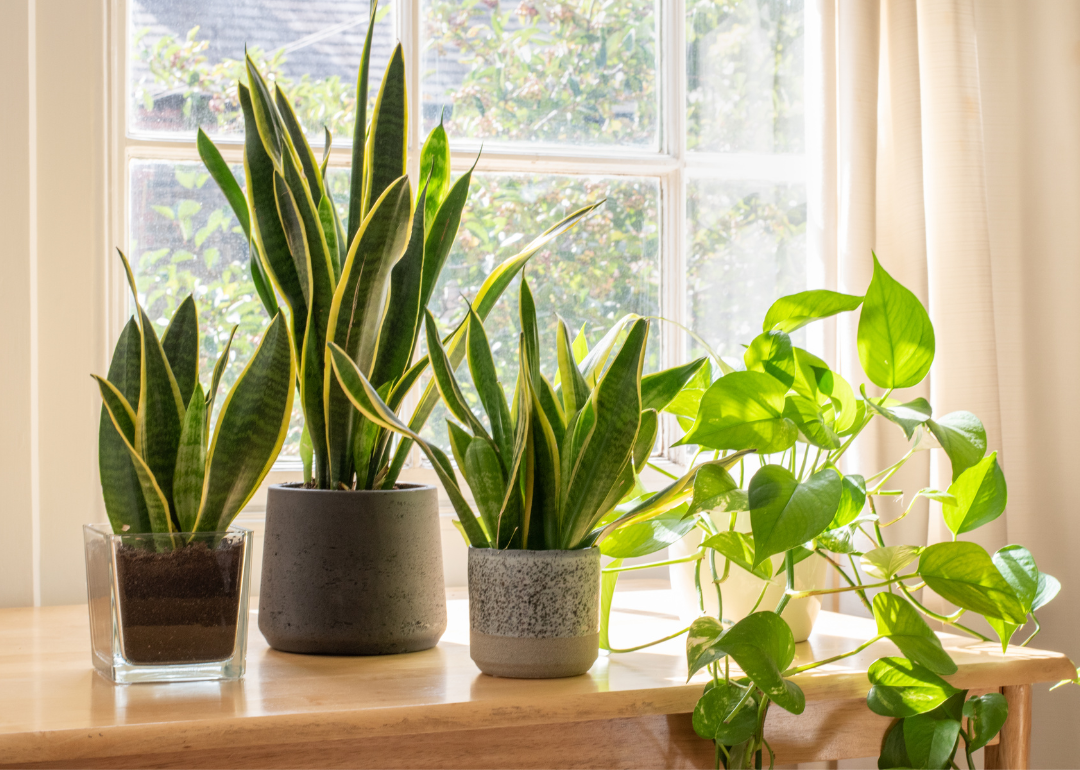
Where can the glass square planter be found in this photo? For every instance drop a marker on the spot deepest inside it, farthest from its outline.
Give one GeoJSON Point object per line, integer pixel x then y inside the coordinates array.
{"type": "Point", "coordinates": [168, 608]}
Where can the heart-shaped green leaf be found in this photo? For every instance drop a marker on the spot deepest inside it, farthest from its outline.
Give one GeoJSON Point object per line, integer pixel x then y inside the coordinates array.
{"type": "Point", "coordinates": [739, 548]}
{"type": "Point", "coordinates": [811, 422]}
{"type": "Point", "coordinates": [846, 408]}
{"type": "Point", "coordinates": [839, 539]}
{"type": "Point", "coordinates": [987, 714]}
{"type": "Point", "coordinates": [771, 353]}
{"type": "Point", "coordinates": [962, 436]}
{"type": "Point", "coordinates": [901, 622]}
{"type": "Point", "coordinates": [895, 337]}
{"type": "Point", "coordinates": [713, 486]}
{"type": "Point", "coordinates": [1017, 566]}
{"type": "Point", "coordinates": [762, 645]}
{"type": "Point", "coordinates": [903, 688]}
{"type": "Point", "coordinates": [852, 501]}
{"type": "Point", "coordinates": [797, 310]}
{"type": "Point", "coordinates": [930, 739]}
{"type": "Point", "coordinates": [785, 513]}
{"type": "Point", "coordinates": [716, 705]}
{"type": "Point", "coordinates": [893, 750]}
{"type": "Point", "coordinates": [888, 561]}
{"type": "Point", "coordinates": [743, 410]}
{"type": "Point", "coordinates": [964, 574]}
{"type": "Point", "coordinates": [1048, 589]}
{"type": "Point", "coordinates": [908, 416]}
{"type": "Point", "coordinates": [981, 495]}
{"type": "Point", "coordinates": [701, 644]}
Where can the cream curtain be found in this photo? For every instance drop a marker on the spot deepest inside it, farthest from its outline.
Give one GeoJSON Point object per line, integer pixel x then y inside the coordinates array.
{"type": "Point", "coordinates": [947, 139]}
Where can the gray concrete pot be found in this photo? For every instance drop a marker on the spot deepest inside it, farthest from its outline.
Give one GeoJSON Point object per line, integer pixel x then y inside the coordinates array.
{"type": "Point", "coordinates": [352, 572]}
{"type": "Point", "coordinates": [534, 614]}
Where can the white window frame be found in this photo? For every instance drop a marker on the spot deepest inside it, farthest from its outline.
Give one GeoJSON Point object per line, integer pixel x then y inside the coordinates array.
{"type": "Point", "coordinates": [668, 164]}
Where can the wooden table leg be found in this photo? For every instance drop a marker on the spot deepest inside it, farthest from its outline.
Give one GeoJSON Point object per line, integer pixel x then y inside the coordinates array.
{"type": "Point", "coordinates": [1014, 751]}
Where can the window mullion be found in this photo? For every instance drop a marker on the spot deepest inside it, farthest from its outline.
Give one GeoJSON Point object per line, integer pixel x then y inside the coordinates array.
{"type": "Point", "coordinates": [673, 197]}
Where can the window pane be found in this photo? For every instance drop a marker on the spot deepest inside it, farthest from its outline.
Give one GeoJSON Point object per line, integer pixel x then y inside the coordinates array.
{"type": "Point", "coordinates": [184, 239]}
{"type": "Point", "coordinates": [594, 274]}
{"type": "Point", "coordinates": [744, 71]}
{"type": "Point", "coordinates": [187, 55]}
{"type": "Point", "coordinates": [576, 72]}
{"type": "Point", "coordinates": [747, 246]}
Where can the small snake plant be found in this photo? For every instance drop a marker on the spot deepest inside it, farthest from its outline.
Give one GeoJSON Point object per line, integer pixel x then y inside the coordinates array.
{"type": "Point", "coordinates": [162, 471]}
{"type": "Point", "coordinates": [553, 469]}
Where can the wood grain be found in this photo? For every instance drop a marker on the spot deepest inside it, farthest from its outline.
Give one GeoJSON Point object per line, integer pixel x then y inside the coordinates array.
{"type": "Point", "coordinates": [1013, 752]}
{"type": "Point", "coordinates": [54, 708]}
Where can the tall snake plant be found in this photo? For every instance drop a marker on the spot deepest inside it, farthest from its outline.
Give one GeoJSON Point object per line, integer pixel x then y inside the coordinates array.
{"type": "Point", "coordinates": [361, 285]}
{"type": "Point", "coordinates": [162, 471]}
{"type": "Point", "coordinates": [553, 469]}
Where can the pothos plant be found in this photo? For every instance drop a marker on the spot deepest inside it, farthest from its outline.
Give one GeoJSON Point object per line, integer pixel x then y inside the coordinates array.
{"type": "Point", "coordinates": [552, 469]}
{"type": "Point", "coordinates": [361, 284]}
{"type": "Point", "coordinates": [162, 469]}
{"type": "Point", "coordinates": [801, 418]}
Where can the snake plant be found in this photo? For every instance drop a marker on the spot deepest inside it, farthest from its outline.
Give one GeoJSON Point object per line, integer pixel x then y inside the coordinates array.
{"type": "Point", "coordinates": [363, 284]}
{"type": "Point", "coordinates": [162, 471]}
{"type": "Point", "coordinates": [551, 471]}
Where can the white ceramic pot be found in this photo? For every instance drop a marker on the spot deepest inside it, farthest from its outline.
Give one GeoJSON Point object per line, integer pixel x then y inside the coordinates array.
{"type": "Point", "coordinates": [741, 589]}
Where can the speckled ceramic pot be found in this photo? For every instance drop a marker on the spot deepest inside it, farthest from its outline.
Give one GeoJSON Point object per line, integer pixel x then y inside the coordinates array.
{"type": "Point", "coordinates": [352, 572]}
{"type": "Point", "coordinates": [534, 614]}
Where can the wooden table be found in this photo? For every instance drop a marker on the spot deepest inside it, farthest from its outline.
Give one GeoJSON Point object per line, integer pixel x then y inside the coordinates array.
{"type": "Point", "coordinates": [435, 709]}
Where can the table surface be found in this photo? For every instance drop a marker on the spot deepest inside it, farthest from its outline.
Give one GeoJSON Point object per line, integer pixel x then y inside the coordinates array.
{"type": "Point", "coordinates": [54, 706]}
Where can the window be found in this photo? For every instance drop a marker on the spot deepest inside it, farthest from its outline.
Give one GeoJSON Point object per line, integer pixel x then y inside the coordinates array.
{"type": "Point", "coordinates": [685, 115]}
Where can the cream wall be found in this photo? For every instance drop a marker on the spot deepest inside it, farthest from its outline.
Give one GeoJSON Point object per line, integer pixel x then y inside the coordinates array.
{"type": "Point", "coordinates": [16, 568]}
{"type": "Point", "coordinates": [54, 214]}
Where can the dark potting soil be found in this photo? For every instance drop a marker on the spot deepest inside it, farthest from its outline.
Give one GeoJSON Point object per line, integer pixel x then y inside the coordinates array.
{"type": "Point", "coordinates": [179, 606]}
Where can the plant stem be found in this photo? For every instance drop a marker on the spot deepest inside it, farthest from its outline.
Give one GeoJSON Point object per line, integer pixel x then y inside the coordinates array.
{"type": "Point", "coordinates": [967, 749]}
{"type": "Point", "coordinates": [833, 659]}
{"type": "Point", "coordinates": [660, 470]}
{"type": "Point", "coordinates": [833, 458]}
{"type": "Point", "coordinates": [739, 705]}
{"type": "Point", "coordinates": [789, 565]}
{"type": "Point", "coordinates": [697, 585]}
{"type": "Point", "coordinates": [873, 510]}
{"type": "Point", "coordinates": [1033, 633]}
{"type": "Point", "coordinates": [716, 584]}
{"type": "Point", "coordinates": [693, 557]}
{"type": "Point", "coordinates": [877, 531]}
{"type": "Point", "coordinates": [761, 596]}
{"type": "Point", "coordinates": [650, 644]}
{"type": "Point", "coordinates": [844, 575]}
{"type": "Point", "coordinates": [892, 469]}
{"type": "Point", "coordinates": [805, 457]}
{"type": "Point", "coordinates": [845, 589]}
{"type": "Point", "coordinates": [950, 620]}
{"type": "Point", "coordinates": [905, 513]}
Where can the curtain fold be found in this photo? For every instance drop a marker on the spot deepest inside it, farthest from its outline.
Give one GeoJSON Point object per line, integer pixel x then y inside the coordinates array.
{"type": "Point", "coordinates": [948, 134]}
{"type": "Point", "coordinates": [908, 184]}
